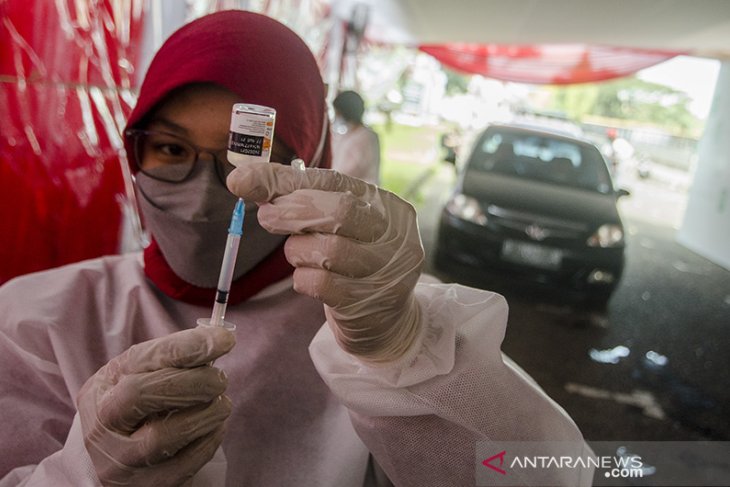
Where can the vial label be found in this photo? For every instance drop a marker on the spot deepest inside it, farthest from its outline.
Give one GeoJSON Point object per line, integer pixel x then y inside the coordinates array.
{"type": "Point", "coordinates": [249, 145]}
{"type": "Point", "coordinates": [251, 134]}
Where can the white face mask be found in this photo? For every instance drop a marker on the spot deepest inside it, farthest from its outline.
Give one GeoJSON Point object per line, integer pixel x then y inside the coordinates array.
{"type": "Point", "coordinates": [189, 221]}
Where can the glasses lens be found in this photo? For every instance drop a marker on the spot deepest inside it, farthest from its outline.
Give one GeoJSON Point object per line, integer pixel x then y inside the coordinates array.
{"type": "Point", "coordinates": [164, 156]}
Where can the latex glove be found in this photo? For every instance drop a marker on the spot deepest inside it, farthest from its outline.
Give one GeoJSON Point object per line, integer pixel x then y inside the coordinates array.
{"type": "Point", "coordinates": [155, 414]}
{"type": "Point", "coordinates": [355, 247]}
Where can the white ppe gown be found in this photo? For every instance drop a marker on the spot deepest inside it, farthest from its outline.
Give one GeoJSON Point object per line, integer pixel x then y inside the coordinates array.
{"type": "Point", "coordinates": [305, 413]}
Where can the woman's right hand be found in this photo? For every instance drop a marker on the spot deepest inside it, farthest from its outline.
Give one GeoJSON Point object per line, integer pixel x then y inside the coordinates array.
{"type": "Point", "coordinates": [156, 414]}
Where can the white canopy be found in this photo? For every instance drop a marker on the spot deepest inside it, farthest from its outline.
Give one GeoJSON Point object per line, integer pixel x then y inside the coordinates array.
{"type": "Point", "coordinates": [696, 27]}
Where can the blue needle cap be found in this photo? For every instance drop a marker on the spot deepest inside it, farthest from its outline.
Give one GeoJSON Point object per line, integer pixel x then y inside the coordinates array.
{"type": "Point", "coordinates": [236, 227]}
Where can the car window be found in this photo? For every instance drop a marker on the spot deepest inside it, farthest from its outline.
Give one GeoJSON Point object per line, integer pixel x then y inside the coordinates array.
{"type": "Point", "coordinates": [541, 158]}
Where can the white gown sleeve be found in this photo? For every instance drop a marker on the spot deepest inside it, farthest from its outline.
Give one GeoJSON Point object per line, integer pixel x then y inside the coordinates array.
{"type": "Point", "coordinates": [69, 466]}
{"type": "Point", "coordinates": [72, 466]}
{"type": "Point", "coordinates": [422, 417]}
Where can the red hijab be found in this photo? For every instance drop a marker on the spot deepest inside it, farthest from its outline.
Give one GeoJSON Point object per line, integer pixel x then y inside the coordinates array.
{"type": "Point", "coordinates": [265, 63]}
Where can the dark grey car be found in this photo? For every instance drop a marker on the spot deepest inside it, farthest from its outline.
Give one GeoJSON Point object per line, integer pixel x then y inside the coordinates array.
{"type": "Point", "coordinates": [536, 206]}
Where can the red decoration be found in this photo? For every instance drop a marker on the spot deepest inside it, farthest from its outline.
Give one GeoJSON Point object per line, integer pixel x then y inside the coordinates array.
{"type": "Point", "coordinates": [545, 64]}
{"type": "Point", "coordinates": [66, 75]}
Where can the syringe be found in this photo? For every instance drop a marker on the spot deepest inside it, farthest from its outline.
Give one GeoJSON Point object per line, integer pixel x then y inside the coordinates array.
{"type": "Point", "coordinates": [249, 140]}
{"type": "Point", "coordinates": [235, 230]}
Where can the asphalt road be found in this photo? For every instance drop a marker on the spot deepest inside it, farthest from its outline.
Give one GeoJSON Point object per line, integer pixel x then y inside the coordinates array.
{"type": "Point", "coordinates": [667, 329]}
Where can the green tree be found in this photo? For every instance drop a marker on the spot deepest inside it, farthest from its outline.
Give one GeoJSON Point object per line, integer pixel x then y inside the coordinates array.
{"type": "Point", "coordinates": [576, 101]}
{"type": "Point", "coordinates": [629, 99]}
{"type": "Point", "coordinates": [456, 83]}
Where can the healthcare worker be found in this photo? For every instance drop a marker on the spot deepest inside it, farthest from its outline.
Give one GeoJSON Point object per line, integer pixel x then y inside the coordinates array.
{"type": "Point", "coordinates": [105, 378]}
{"type": "Point", "coordinates": [355, 146]}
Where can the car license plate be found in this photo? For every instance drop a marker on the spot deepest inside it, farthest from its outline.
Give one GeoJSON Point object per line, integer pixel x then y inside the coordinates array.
{"type": "Point", "coordinates": [531, 254]}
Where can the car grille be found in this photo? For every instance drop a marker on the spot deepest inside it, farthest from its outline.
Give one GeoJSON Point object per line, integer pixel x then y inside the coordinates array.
{"type": "Point", "coordinates": [536, 227]}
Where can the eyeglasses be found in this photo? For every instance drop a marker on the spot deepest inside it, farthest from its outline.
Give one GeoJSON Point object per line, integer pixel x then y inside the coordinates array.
{"type": "Point", "coordinates": [171, 158]}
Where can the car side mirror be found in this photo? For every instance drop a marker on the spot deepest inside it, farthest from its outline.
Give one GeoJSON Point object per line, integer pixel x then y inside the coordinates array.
{"type": "Point", "coordinates": [623, 192]}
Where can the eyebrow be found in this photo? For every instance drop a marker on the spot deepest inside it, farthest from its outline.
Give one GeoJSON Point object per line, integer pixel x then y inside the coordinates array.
{"type": "Point", "coordinates": [182, 131]}
{"type": "Point", "coordinates": [169, 124]}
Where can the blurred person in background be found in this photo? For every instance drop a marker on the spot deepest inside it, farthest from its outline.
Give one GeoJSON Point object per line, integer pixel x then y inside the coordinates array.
{"type": "Point", "coordinates": [355, 146]}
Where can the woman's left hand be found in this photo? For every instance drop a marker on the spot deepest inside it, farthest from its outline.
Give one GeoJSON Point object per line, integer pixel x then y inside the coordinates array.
{"type": "Point", "coordinates": [355, 246]}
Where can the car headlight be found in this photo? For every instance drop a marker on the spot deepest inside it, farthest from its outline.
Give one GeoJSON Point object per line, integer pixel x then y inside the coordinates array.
{"type": "Point", "coordinates": [466, 208]}
{"type": "Point", "coordinates": [608, 235]}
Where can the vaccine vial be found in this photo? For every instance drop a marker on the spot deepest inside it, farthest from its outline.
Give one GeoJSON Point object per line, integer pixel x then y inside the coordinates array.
{"type": "Point", "coordinates": [251, 135]}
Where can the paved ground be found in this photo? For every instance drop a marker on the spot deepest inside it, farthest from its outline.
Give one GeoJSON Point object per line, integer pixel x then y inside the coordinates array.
{"type": "Point", "coordinates": [667, 328]}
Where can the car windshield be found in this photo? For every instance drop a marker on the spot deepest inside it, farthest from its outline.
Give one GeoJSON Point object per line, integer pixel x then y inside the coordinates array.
{"type": "Point", "coordinates": [541, 158]}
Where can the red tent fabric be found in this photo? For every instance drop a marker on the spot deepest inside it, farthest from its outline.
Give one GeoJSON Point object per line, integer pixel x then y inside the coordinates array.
{"type": "Point", "coordinates": [545, 64]}
{"type": "Point", "coordinates": [66, 74]}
